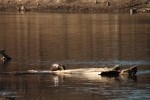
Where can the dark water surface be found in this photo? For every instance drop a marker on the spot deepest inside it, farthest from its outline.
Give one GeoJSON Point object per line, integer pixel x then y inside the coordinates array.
{"type": "Point", "coordinates": [36, 40]}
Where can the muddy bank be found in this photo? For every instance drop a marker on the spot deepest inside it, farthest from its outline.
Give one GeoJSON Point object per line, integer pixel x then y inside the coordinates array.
{"type": "Point", "coordinates": [103, 6]}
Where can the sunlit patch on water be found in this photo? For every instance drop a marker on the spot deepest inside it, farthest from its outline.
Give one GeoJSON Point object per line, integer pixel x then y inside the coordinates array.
{"type": "Point", "coordinates": [116, 90]}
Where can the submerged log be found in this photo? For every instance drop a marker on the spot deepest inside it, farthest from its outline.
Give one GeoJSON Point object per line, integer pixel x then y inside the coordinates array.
{"type": "Point", "coordinates": [113, 71]}
{"type": "Point", "coordinates": [106, 71]}
{"type": "Point", "coordinates": [130, 72]}
{"type": "Point", "coordinates": [110, 73]}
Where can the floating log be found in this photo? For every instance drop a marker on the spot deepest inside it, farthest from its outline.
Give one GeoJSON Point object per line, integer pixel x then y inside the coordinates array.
{"type": "Point", "coordinates": [110, 73]}
{"type": "Point", "coordinates": [59, 69]}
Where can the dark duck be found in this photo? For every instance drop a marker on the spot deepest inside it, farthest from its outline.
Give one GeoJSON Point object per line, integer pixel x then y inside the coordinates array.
{"type": "Point", "coordinates": [4, 57]}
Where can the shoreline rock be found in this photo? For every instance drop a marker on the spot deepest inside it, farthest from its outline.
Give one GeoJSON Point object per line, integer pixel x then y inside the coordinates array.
{"type": "Point", "coordinates": [71, 7]}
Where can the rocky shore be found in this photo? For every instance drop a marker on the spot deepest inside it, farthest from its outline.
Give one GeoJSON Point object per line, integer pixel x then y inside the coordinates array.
{"type": "Point", "coordinates": [98, 6]}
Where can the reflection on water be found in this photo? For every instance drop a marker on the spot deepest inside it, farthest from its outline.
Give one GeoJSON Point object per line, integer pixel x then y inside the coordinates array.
{"type": "Point", "coordinates": [93, 78]}
{"type": "Point", "coordinates": [36, 40]}
{"type": "Point", "coordinates": [47, 37]}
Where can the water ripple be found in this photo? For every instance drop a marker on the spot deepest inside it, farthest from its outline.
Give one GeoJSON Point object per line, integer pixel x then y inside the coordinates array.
{"type": "Point", "coordinates": [109, 62]}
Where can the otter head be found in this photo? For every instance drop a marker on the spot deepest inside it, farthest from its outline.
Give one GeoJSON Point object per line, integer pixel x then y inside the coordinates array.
{"type": "Point", "coordinates": [56, 67]}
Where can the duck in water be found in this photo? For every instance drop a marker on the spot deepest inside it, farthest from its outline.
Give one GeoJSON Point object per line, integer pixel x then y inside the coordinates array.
{"type": "Point", "coordinates": [4, 57]}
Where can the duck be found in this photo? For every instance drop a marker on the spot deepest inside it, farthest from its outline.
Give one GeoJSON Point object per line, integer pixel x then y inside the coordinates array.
{"type": "Point", "coordinates": [4, 57]}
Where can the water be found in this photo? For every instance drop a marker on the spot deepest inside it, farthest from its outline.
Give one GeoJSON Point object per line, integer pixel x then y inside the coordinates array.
{"type": "Point", "coordinates": [36, 40]}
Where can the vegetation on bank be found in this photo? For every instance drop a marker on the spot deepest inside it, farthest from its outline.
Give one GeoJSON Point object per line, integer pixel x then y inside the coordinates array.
{"type": "Point", "coordinates": [114, 6]}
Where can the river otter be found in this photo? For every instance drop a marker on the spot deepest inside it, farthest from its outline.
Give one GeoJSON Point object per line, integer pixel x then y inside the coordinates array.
{"type": "Point", "coordinates": [55, 67]}
{"type": "Point", "coordinates": [4, 57]}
